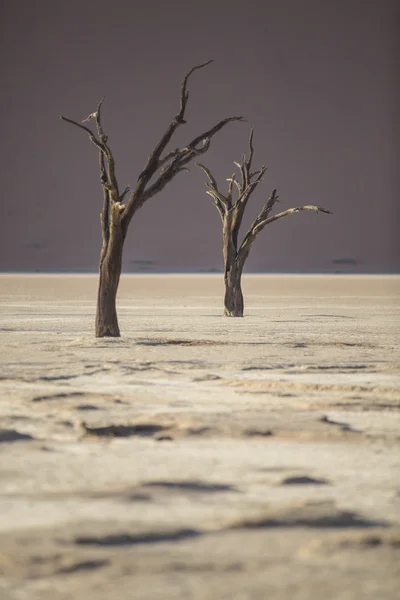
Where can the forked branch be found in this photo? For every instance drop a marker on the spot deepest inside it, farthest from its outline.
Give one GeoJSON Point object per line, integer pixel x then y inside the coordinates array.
{"type": "Point", "coordinates": [178, 158]}
{"type": "Point", "coordinates": [90, 133]}
{"type": "Point", "coordinates": [227, 207]}
{"type": "Point", "coordinates": [220, 201]}
{"type": "Point", "coordinates": [107, 173]}
{"type": "Point", "coordinates": [160, 168]}
{"type": "Point", "coordinates": [231, 213]}
{"type": "Point", "coordinates": [107, 170]}
{"type": "Point", "coordinates": [290, 211]}
{"type": "Point", "coordinates": [263, 220]}
{"type": "Point", "coordinates": [175, 161]}
{"type": "Point", "coordinates": [177, 164]}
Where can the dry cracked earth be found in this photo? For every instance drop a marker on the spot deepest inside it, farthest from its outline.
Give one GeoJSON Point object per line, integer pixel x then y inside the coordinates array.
{"type": "Point", "coordinates": [199, 457]}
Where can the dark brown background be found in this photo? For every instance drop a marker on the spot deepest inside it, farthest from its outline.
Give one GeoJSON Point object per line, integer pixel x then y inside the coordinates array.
{"type": "Point", "coordinates": [317, 78]}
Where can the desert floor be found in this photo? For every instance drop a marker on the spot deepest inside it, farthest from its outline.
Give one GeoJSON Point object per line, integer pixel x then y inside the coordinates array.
{"type": "Point", "coordinates": [199, 457]}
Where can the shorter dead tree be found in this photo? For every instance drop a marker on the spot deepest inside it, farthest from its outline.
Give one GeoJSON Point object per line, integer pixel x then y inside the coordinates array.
{"type": "Point", "coordinates": [231, 212]}
{"type": "Point", "coordinates": [120, 207]}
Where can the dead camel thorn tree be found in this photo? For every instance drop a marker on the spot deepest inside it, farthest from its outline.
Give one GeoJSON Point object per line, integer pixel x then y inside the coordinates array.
{"type": "Point", "coordinates": [231, 212]}
{"type": "Point", "coordinates": [116, 216]}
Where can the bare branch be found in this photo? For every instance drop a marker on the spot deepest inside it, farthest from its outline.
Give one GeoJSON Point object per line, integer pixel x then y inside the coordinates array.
{"type": "Point", "coordinates": [219, 198]}
{"type": "Point", "coordinates": [112, 180]}
{"type": "Point", "coordinates": [235, 181]}
{"type": "Point", "coordinates": [262, 221]}
{"type": "Point", "coordinates": [231, 182]}
{"type": "Point", "coordinates": [251, 152]}
{"type": "Point", "coordinates": [109, 182]}
{"type": "Point", "coordinates": [243, 175]}
{"type": "Point", "coordinates": [152, 161]}
{"type": "Point", "coordinates": [210, 176]}
{"type": "Point", "coordinates": [168, 173]}
{"type": "Point", "coordinates": [185, 93]}
{"type": "Point", "coordinates": [103, 175]}
{"type": "Point", "coordinates": [211, 132]}
{"type": "Point", "coordinates": [124, 193]}
{"type": "Point", "coordinates": [268, 206]}
{"type": "Point", "coordinates": [259, 174]}
{"type": "Point", "coordinates": [105, 215]}
{"type": "Point", "coordinates": [266, 209]}
{"type": "Point", "coordinates": [218, 205]}
{"type": "Point", "coordinates": [286, 213]}
{"type": "Point", "coordinates": [97, 116]}
{"type": "Point", "coordinates": [213, 191]}
{"type": "Point", "coordinates": [91, 116]}
{"type": "Point", "coordinates": [137, 197]}
{"type": "Point", "coordinates": [168, 157]}
{"type": "Point", "coordinates": [243, 199]}
{"type": "Point", "coordinates": [245, 165]}
{"type": "Point", "coordinates": [88, 131]}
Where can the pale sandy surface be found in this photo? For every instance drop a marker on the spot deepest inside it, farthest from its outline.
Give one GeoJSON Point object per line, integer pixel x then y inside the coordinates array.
{"type": "Point", "coordinates": [246, 459]}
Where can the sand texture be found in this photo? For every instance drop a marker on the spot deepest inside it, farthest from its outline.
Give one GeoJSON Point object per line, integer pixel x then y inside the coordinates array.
{"type": "Point", "coordinates": [200, 457]}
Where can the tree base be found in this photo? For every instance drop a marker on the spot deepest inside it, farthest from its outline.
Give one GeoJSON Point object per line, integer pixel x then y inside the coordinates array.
{"type": "Point", "coordinates": [108, 333]}
{"type": "Point", "coordinates": [233, 313]}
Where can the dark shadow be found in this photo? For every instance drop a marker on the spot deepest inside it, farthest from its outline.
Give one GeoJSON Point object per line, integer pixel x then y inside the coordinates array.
{"type": "Point", "coordinates": [192, 486]}
{"type": "Point", "coordinates": [11, 435]}
{"type": "Point", "coordinates": [345, 519]}
{"type": "Point", "coordinates": [331, 316]}
{"type": "Point", "coordinates": [57, 396]}
{"type": "Point", "coordinates": [342, 426]}
{"type": "Point", "coordinates": [137, 498]}
{"type": "Point", "coordinates": [258, 432]}
{"type": "Point", "coordinates": [128, 539]}
{"type": "Point", "coordinates": [87, 565]}
{"type": "Point", "coordinates": [303, 480]}
{"type": "Point", "coordinates": [142, 429]}
{"type": "Point", "coordinates": [366, 407]}
{"type": "Point", "coordinates": [169, 342]}
{"type": "Point", "coordinates": [262, 368]}
{"type": "Point", "coordinates": [371, 541]}
{"type": "Point", "coordinates": [336, 367]}
{"type": "Point", "coordinates": [56, 377]}
{"type": "Point", "coordinates": [209, 377]}
{"type": "Point", "coordinates": [198, 430]}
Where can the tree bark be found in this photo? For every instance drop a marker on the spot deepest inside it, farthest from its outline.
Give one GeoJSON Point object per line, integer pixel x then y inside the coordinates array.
{"type": "Point", "coordinates": [233, 301]}
{"type": "Point", "coordinates": [110, 271]}
{"type": "Point", "coordinates": [116, 216]}
{"type": "Point", "coordinates": [231, 212]}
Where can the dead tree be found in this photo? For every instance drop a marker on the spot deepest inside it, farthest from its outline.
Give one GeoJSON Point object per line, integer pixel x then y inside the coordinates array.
{"type": "Point", "coordinates": [117, 215]}
{"type": "Point", "coordinates": [231, 212]}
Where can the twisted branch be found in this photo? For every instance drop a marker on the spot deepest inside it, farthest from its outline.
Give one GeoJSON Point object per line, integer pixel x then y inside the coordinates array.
{"type": "Point", "coordinates": [232, 212]}
{"type": "Point", "coordinates": [88, 131]}
{"type": "Point", "coordinates": [107, 170]}
{"type": "Point", "coordinates": [169, 166]}
{"type": "Point", "coordinates": [263, 220]}
{"type": "Point", "coordinates": [179, 157]}
{"type": "Point", "coordinates": [177, 164]}
{"type": "Point", "coordinates": [220, 201]}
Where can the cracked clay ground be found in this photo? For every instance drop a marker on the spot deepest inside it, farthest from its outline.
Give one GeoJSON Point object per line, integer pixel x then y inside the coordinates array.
{"type": "Point", "coordinates": [199, 457]}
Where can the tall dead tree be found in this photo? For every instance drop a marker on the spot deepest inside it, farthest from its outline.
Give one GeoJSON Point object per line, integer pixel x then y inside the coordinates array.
{"type": "Point", "coordinates": [117, 215]}
{"type": "Point", "coordinates": [231, 212]}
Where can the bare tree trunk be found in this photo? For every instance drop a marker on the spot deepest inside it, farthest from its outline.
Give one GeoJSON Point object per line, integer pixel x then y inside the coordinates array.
{"type": "Point", "coordinates": [231, 212]}
{"type": "Point", "coordinates": [116, 216]}
{"type": "Point", "coordinates": [233, 301]}
{"type": "Point", "coordinates": [106, 316]}
{"type": "Point", "coordinates": [110, 271]}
